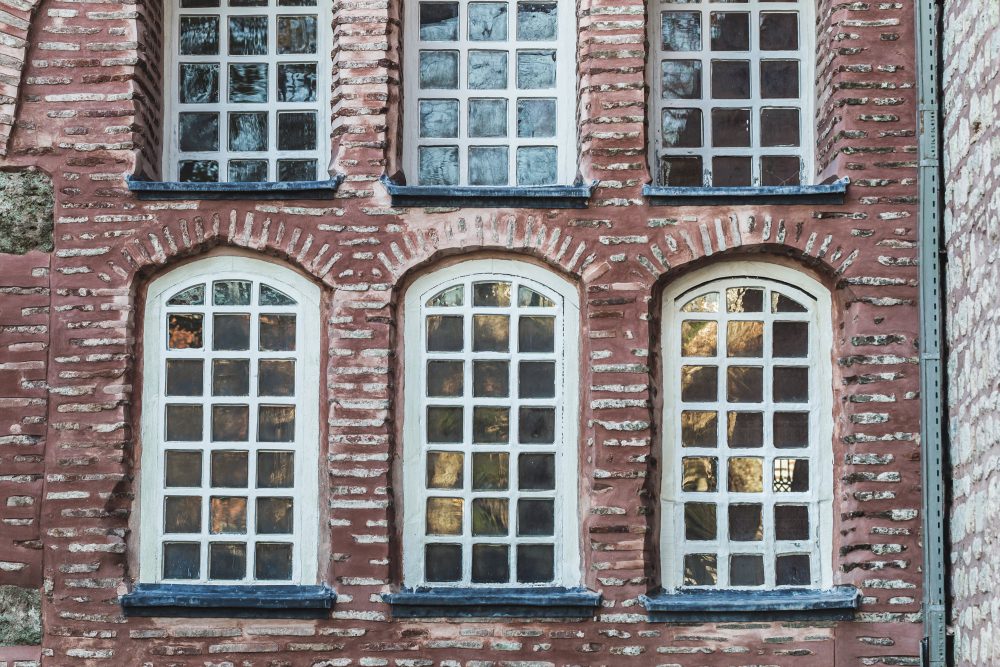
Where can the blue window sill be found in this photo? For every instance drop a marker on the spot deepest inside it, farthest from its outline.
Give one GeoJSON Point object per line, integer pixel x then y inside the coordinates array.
{"type": "Point", "coordinates": [222, 601]}
{"type": "Point", "coordinates": [838, 603]}
{"type": "Point", "coordinates": [828, 193]}
{"type": "Point", "coordinates": [493, 603]}
{"type": "Point", "coordinates": [479, 196]}
{"type": "Point", "coordinates": [163, 190]}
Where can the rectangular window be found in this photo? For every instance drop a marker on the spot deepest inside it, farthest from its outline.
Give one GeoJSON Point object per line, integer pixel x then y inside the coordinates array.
{"type": "Point", "coordinates": [731, 93]}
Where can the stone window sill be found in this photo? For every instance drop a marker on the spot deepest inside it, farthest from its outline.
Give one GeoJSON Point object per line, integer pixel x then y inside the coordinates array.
{"type": "Point", "coordinates": [478, 196]}
{"type": "Point", "coordinates": [493, 602]}
{"type": "Point", "coordinates": [827, 193]}
{"type": "Point", "coordinates": [228, 601]}
{"type": "Point", "coordinates": [173, 190]}
{"type": "Point", "coordinates": [838, 603]}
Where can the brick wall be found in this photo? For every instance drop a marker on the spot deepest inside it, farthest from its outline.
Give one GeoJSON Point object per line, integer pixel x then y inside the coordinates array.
{"type": "Point", "coordinates": [88, 105]}
{"type": "Point", "coordinates": [972, 141]}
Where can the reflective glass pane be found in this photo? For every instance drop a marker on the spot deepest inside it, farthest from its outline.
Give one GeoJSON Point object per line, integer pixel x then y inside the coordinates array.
{"type": "Point", "coordinates": [297, 131]}
{"type": "Point", "coordinates": [699, 473]}
{"type": "Point", "coordinates": [779, 79]}
{"type": "Point", "coordinates": [276, 377]}
{"type": "Point", "coordinates": [791, 475]}
{"type": "Point", "coordinates": [535, 563]}
{"type": "Point", "coordinates": [181, 560]}
{"type": "Point", "coordinates": [746, 570]}
{"type": "Point", "coordinates": [273, 562]}
{"type": "Point", "coordinates": [491, 294]}
{"type": "Point", "coordinates": [453, 296]}
{"type": "Point", "coordinates": [536, 472]}
{"type": "Point", "coordinates": [731, 172]}
{"type": "Point", "coordinates": [230, 377]}
{"type": "Point", "coordinates": [438, 21]}
{"type": "Point", "coordinates": [296, 170]}
{"type": "Point", "coordinates": [746, 522]}
{"type": "Point", "coordinates": [536, 379]}
{"type": "Point", "coordinates": [182, 514]}
{"type": "Point", "coordinates": [438, 118]}
{"type": "Point", "coordinates": [274, 516]}
{"type": "Point", "coordinates": [791, 522]}
{"type": "Point", "coordinates": [680, 31]}
{"type": "Point", "coordinates": [706, 303]}
{"type": "Point", "coordinates": [229, 516]}
{"type": "Point", "coordinates": [275, 470]}
{"type": "Point", "coordinates": [490, 563]}
{"type": "Point", "coordinates": [229, 469]}
{"type": "Point", "coordinates": [442, 562]}
{"type": "Point", "coordinates": [536, 333]}
{"type": "Point", "coordinates": [444, 516]}
{"type": "Point", "coordinates": [487, 118]}
{"type": "Point", "coordinates": [248, 131]}
{"type": "Point", "coordinates": [277, 333]}
{"type": "Point", "coordinates": [487, 21]}
{"type": "Point", "coordinates": [444, 424]}
{"type": "Point", "coordinates": [792, 570]}
{"type": "Point", "coordinates": [488, 165]}
{"type": "Point", "coordinates": [681, 128]}
{"type": "Point", "coordinates": [699, 428]}
{"type": "Point", "coordinates": [535, 516]}
{"type": "Point", "coordinates": [779, 127]}
{"type": "Point", "coordinates": [185, 377]}
{"type": "Point", "coordinates": [248, 83]}
{"type": "Point", "coordinates": [230, 423]}
{"type": "Point", "coordinates": [247, 35]}
{"type": "Point", "coordinates": [438, 69]}
{"type": "Point", "coordinates": [745, 339]}
{"type": "Point", "coordinates": [536, 118]}
{"type": "Point", "coordinates": [744, 300]}
{"type": "Point", "coordinates": [730, 31]}
{"type": "Point", "coordinates": [276, 423]}
{"type": "Point", "coordinates": [199, 83]}
{"type": "Point", "coordinates": [780, 170]}
{"type": "Point", "coordinates": [296, 34]}
{"type": "Point", "coordinates": [537, 165]}
{"type": "Point", "coordinates": [247, 171]}
{"type": "Point", "coordinates": [198, 171]}
{"type": "Point", "coordinates": [199, 35]}
{"type": "Point", "coordinates": [487, 70]}
{"type": "Point", "coordinates": [529, 298]}
{"type": "Point", "coordinates": [700, 570]}
{"type": "Point", "coordinates": [791, 384]}
{"type": "Point", "coordinates": [489, 471]}
{"type": "Point", "coordinates": [445, 378]}
{"type": "Point", "coordinates": [438, 165]}
{"type": "Point", "coordinates": [490, 333]}
{"type": "Point", "coordinates": [490, 425]}
{"type": "Point", "coordinates": [536, 21]}
{"type": "Point", "coordinates": [192, 296]}
{"type": "Point", "coordinates": [536, 69]}
{"type": "Point", "coordinates": [184, 423]}
{"type": "Point", "coordinates": [231, 332]}
{"type": "Point", "coordinates": [680, 80]}
{"type": "Point", "coordinates": [745, 384]}
{"type": "Point", "coordinates": [491, 378]}
{"type": "Point", "coordinates": [445, 470]}
{"type": "Point", "coordinates": [791, 429]}
{"type": "Point", "coordinates": [198, 131]}
{"type": "Point", "coordinates": [490, 517]}
{"type": "Point", "coordinates": [444, 333]}
{"type": "Point", "coordinates": [681, 171]}
{"type": "Point", "coordinates": [296, 82]}
{"type": "Point", "coordinates": [227, 560]}
{"type": "Point", "coordinates": [699, 338]}
{"type": "Point", "coordinates": [745, 429]}
{"type": "Point", "coordinates": [791, 339]}
{"type": "Point", "coordinates": [231, 293]}
{"type": "Point", "coordinates": [731, 81]}
{"type": "Point", "coordinates": [731, 127]}
{"type": "Point", "coordinates": [699, 383]}
{"type": "Point", "coordinates": [699, 521]}
{"type": "Point", "coordinates": [537, 425]}
{"type": "Point", "coordinates": [779, 31]}
{"type": "Point", "coordinates": [746, 475]}
{"type": "Point", "coordinates": [182, 468]}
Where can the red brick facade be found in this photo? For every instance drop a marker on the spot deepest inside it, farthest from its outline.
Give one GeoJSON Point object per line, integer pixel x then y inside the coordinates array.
{"type": "Point", "coordinates": [87, 113]}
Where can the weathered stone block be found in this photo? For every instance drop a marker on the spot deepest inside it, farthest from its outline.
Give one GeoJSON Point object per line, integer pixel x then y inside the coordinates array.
{"type": "Point", "coordinates": [20, 616]}
{"type": "Point", "coordinates": [26, 203]}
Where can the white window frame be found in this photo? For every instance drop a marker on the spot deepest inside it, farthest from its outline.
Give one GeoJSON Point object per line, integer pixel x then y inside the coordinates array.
{"type": "Point", "coordinates": [564, 93]}
{"type": "Point", "coordinates": [816, 297]}
{"type": "Point", "coordinates": [415, 493]}
{"type": "Point", "coordinates": [806, 55]}
{"type": "Point", "coordinates": [172, 59]}
{"type": "Point", "coordinates": [305, 445]}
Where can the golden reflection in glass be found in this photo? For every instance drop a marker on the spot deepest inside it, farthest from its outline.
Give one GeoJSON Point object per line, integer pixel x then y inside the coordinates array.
{"type": "Point", "coordinates": [746, 475]}
{"type": "Point", "coordinates": [699, 384]}
{"type": "Point", "coordinates": [699, 338]}
{"type": "Point", "coordinates": [445, 378]}
{"type": "Point", "coordinates": [745, 384]}
{"type": "Point", "coordinates": [700, 473]}
{"type": "Point", "coordinates": [745, 339]}
{"type": "Point", "coordinates": [706, 303]}
{"type": "Point", "coordinates": [185, 331]}
{"type": "Point", "coordinates": [228, 515]}
{"type": "Point", "coordinates": [445, 470]}
{"type": "Point", "coordinates": [444, 516]}
{"type": "Point", "coordinates": [489, 471]}
{"type": "Point", "coordinates": [491, 294]}
{"type": "Point", "coordinates": [699, 521]}
{"type": "Point", "coordinates": [490, 333]}
{"type": "Point", "coordinates": [699, 428]}
{"type": "Point", "coordinates": [744, 300]}
{"type": "Point", "coordinates": [490, 425]}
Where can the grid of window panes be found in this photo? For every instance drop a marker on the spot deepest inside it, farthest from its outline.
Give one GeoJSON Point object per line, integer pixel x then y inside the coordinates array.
{"type": "Point", "coordinates": [730, 89]}
{"type": "Point", "coordinates": [229, 385]}
{"type": "Point", "coordinates": [248, 99]}
{"type": "Point", "coordinates": [747, 506]}
{"type": "Point", "coordinates": [492, 372]}
{"type": "Point", "coordinates": [486, 103]}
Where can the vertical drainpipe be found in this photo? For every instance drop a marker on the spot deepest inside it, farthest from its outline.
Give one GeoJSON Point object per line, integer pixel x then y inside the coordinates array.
{"type": "Point", "coordinates": [932, 387]}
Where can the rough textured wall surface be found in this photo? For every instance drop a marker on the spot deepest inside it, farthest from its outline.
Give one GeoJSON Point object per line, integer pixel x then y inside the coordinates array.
{"type": "Point", "coordinates": [971, 88]}
{"type": "Point", "coordinates": [26, 202]}
{"type": "Point", "coordinates": [88, 114]}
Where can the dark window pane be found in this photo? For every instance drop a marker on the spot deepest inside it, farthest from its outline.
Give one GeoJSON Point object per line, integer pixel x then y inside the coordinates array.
{"type": "Point", "coordinates": [779, 127]}
{"type": "Point", "coordinates": [275, 470]}
{"type": "Point", "coordinates": [731, 172]}
{"type": "Point", "coordinates": [745, 384]}
{"type": "Point", "coordinates": [731, 79]}
{"type": "Point", "coordinates": [490, 471]}
{"type": "Point", "coordinates": [791, 384]}
{"type": "Point", "coordinates": [699, 473]}
{"type": "Point", "coordinates": [680, 80]}
{"type": "Point", "coordinates": [248, 131]}
{"type": "Point", "coordinates": [230, 423]}
{"type": "Point", "coordinates": [791, 429]}
{"type": "Point", "coordinates": [699, 383]}
{"type": "Point", "coordinates": [296, 82]}
{"type": "Point", "coordinates": [276, 423]}
{"type": "Point", "coordinates": [248, 83]}
{"type": "Point", "coordinates": [536, 379]}
{"type": "Point", "coordinates": [536, 472]}
{"type": "Point", "coordinates": [681, 128]}
{"type": "Point", "coordinates": [232, 332]}
{"type": "Point", "coordinates": [490, 425]}
{"type": "Point", "coordinates": [227, 561]}
{"type": "Point", "coordinates": [490, 333]}
{"type": "Point", "coordinates": [198, 171]}
{"type": "Point", "coordinates": [744, 300]}
{"type": "Point", "coordinates": [438, 21]}
{"type": "Point", "coordinates": [247, 35]}
{"type": "Point", "coordinates": [791, 522]}
{"type": "Point", "coordinates": [247, 171]}
{"type": "Point", "coordinates": [199, 83]}
{"type": "Point", "coordinates": [444, 424]}
{"type": "Point", "coordinates": [446, 378]}
{"type": "Point", "coordinates": [792, 570]}
{"type": "Point", "coordinates": [782, 304]}
{"type": "Point", "coordinates": [684, 172]}
{"type": "Point", "coordinates": [745, 339]}
{"type": "Point", "coordinates": [273, 562]}
{"type": "Point", "coordinates": [490, 564]}
{"type": "Point", "coordinates": [491, 378]}
{"type": "Point", "coordinates": [229, 516]}
{"type": "Point", "coordinates": [536, 334]}
{"type": "Point", "coordinates": [274, 516]}
{"type": "Point", "coordinates": [229, 469]}
{"type": "Point", "coordinates": [182, 514]}
{"type": "Point", "coordinates": [296, 34]}
{"type": "Point", "coordinates": [198, 131]}
{"type": "Point", "coordinates": [791, 339]}
{"type": "Point", "coordinates": [297, 131]}
{"type": "Point", "coordinates": [535, 517]}
{"type": "Point", "coordinates": [780, 170]}
{"type": "Point", "coordinates": [182, 469]}
{"type": "Point", "coordinates": [185, 377]}
{"type": "Point", "coordinates": [779, 79]}
{"type": "Point", "coordinates": [181, 560]}
{"type": "Point", "coordinates": [746, 523]}
{"type": "Point", "coordinates": [490, 517]}
{"type": "Point", "coordinates": [199, 35]}
{"type": "Point", "coordinates": [276, 377]}
{"type": "Point", "coordinates": [745, 429]}
{"type": "Point", "coordinates": [443, 562]}
{"type": "Point", "coordinates": [746, 570]}
{"type": "Point", "coordinates": [700, 570]}
{"type": "Point", "coordinates": [730, 31]}
{"type": "Point", "coordinates": [537, 426]}
{"type": "Point", "coordinates": [277, 333]}
{"type": "Point", "coordinates": [699, 521]}
{"type": "Point", "coordinates": [230, 377]}
{"type": "Point", "coordinates": [444, 333]}
{"type": "Point", "coordinates": [779, 32]}
{"type": "Point", "coordinates": [731, 127]}
{"type": "Point", "coordinates": [680, 31]}
{"type": "Point", "coordinates": [445, 470]}
{"type": "Point", "coordinates": [699, 428]}
{"type": "Point", "coordinates": [296, 170]}
{"type": "Point", "coordinates": [535, 563]}
{"type": "Point", "coordinates": [184, 423]}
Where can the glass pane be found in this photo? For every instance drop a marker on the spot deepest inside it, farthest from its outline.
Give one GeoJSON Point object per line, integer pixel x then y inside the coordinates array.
{"type": "Point", "coordinates": [438, 118]}
{"type": "Point", "coordinates": [792, 570]}
{"type": "Point", "coordinates": [746, 570]}
{"type": "Point", "coordinates": [445, 470]}
{"type": "Point", "coordinates": [229, 469]}
{"type": "Point", "coordinates": [779, 127]}
{"type": "Point", "coordinates": [488, 165]}
{"type": "Point", "coordinates": [779, 79]}
{"type": "Point", "coordinates": [490, 333]}
{"type": "Point", "coordinates": [247, 171]}
{"type": "Point", "coordinates": [536, 118]}
{"type": "Point", "coordinates": [490, 517]}
{"type": "Point", "coordinates": [730, 31]}
{"type": "Point", "coordinates": [231, 332]}
{"type": "Point", "coordinates": [699, 339]}
{"type": "Point", "coordinates": [744, 300]}
{"type": "Point", "coordinates": [535, 563]}
{"type": "Point", "coordinates": [229, 516]}
{"type": "Point", "coordinates": [681, 128]}
{"type": "Point", "coordinates": [780, 170]}
{"type": "Point", "coordinates": [277, 332]}
{"type": "Point", "coordinates": [199, 35]}
{"type": "Point", "coordinates": [184, 423]}
{"type": "Point", "coordinates": [779, 32]}
{"type": "Point", "coordinates": [227, 561]}
{"type": "Point", "coordinates": [181, 560]}
{"type": "Point", "coordinates": [537, 165]}
{"type": "Point", "coordinates": [536, 69]}
{"type": "Point", "coordinates": [489, 471]}
{"type": "Point", "coordinates": [443, 562]}
{"type": "Point", "coordinates": [699, 428]}
{"type": "Point", "coordinates": [536, 333]}
{"type": "Point", "coordinates": [273, 562]}
{"type": "Point", "coordinates": [490, 563]}
{"type": "Point", "coordinates": [230, 377]}
{"type": "Point", "coordinates": [536, 472]}
{"type": "Point", "coordinates": [296, 34]}
{"type": "Point", "coordinates": [791, 475]}
{"type": "Point", "coordinates": [276, 377]}
{"type": "Point", "coordinates": [487, 118]}
{"type": "Point", "coordinates": [296, 170]}
{"type": "Point", "coordinates": [487, 21]}
{"type": "Point", "coordinates": [700, 570]}
{"type": "Point", "coordinates": [536, 426]}
{"type": "Point", "coordinates": [746, 475]}
{"type": "Point", "coordinates": [699, 521]}
{"type": "Point", "coordinates": [731, 172]}
{"type": "Point", "coordinates": [297, 131]}
{"type": "Point", "coordinates": [681, 171]}
{"type": "Point", "coordinates": [745, 384]}
{"type": "Point", "coordinates": [194, 4]}
{"type": "Point", "coordinates": [487, 70]}
{"type": "Point", "coordinates": [700, 473]}
{"type": "Point", "coordinates": [536, 21]}
{"type": "Point", "coordinates": [230, 423]}
{"type": "Point", "coordinates": [185, 377]}
{"type": "Point", "coordinates": [745, 339]}
{"type": "Point", "coordinates": [491, 379]}
{"type": "Point", "coordinates": [198, 171]}
{"type": "Point", "coordinates": [248, 131]}
{"type": "Point", "coordinates": [275, 470]}
{"type": "Point", "coordinates": [699, 383]}
{"type": "Point", "coordinates": [731, 81]}
{"type": "Point", "coordinates": [491, 294]}
{"type": "Point", "coordinates": [444, 516]}
{"type": "Point", "coordinates": [490, 425]}
{"type": "Point", "coordinates": [276, 423]}
{"type": "Point", "coordinates": [438, 21]}
{"type": "Point", "coordinates": [791, 385]}
{"type": "Point", "coordinates": [680, 80]}
{"type": "Point", "coordinates": [274, 516]}
{"type": "Point", "coordinates": [247, 35]}
{"type": "Point", "coordinates": [248, 83]}
{"type": "Point", "coordinates": [529, 298]}
{"type": "Point", "coordinates": [438, 69]}
{"type": "Point", "coordinates": [706, 303]}
{"type": "Point", "coordinates": [791, 522]}
{"type": "Point", "coordinates": [192, 296]}
{"type": "Point", "coordinates": [444, 424]}
{"type": "Point", "coordinates": [445, 378]}
{"type": "Point", "coordinates": [199, 83]}
{"type": "Point", "coordinates": [438, 165]}
{"type": "Point", "coordinates": [231, 293]}
{"type": "Point", "coordinates": [791, 339]}
{"type": "Point", "coordinates": [791, 429]}
{"type": "Point", "coordinates": [453, 296]}
{"type": "Point", "coordinates": [182, 514]}
{"type": "Point", "coordinates": [296, 83]}
{"type": "Point", "coordinates": [535, 516]}
{"type": "Point", "coordinates": [745, 429]}
{"type": "Point", "coordinates": [730, 127]}
{"type": "Point", "coordinates": [680, 31]}
{"type": "Point", "coordinates": [536, 379]}
{"type": "Point", "coordinates": [746, 523]}
{"type": "Point", "coordinates": [182, 469]}
{"type": "Point", "coordinates": [198, 131]}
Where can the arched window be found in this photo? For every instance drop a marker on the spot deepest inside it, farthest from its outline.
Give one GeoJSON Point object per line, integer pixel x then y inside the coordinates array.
{"type": "Point", "coordinates": [747, 480]}
{"type": "Point", "coordinates": [230, 425]}
{"type": "Point", "coordinates": [490, 454]}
